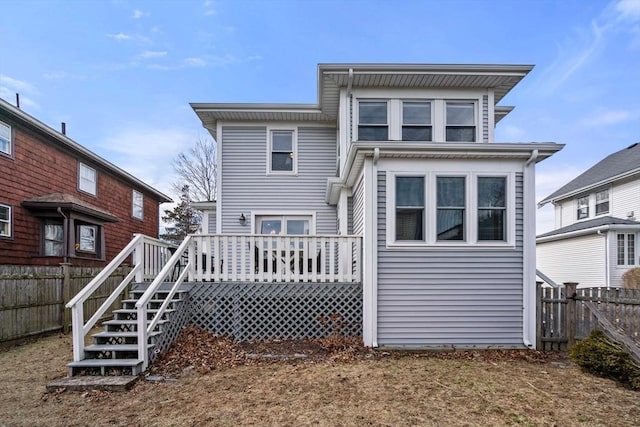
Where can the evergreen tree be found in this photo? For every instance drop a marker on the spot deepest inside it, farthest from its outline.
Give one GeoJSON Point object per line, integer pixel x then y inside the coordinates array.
{"type": "Point", "coordinates": [182, 220]}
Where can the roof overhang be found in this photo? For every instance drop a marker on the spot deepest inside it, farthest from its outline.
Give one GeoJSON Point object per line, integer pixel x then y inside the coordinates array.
{"type": "Point", "coordinates": [71, 145]}
{"type": "Point", "coordinates": [587, 231]}
{"type": "Point", "coordinates": [359, 151]}
{"type": "Point", "coordinates": [53, 202]}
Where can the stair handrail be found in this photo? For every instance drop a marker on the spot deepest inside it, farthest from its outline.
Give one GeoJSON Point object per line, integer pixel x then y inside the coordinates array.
{"type": "Point", "coordinates": [548, 280]}
{"type": "Point", "coordinates": [141, 305]}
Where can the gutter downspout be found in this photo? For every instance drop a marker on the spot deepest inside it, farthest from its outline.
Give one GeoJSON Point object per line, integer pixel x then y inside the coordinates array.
{"type": "Point", "coordinates": [529, 253]}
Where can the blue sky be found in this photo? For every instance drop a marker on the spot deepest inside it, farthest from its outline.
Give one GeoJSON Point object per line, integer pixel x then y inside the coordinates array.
{"type": "Point", "coordinates": [121, 73]}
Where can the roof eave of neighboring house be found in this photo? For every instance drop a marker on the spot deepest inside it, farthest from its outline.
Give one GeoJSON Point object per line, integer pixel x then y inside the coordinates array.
{"type": "Point", "coordinates": [73, 146]}
{"type": "Point", "coordinates": [557, 198]}
{"type": "Point", "coordinates": [586, 231]}
{"type": "Point", "coordinates": [358, 151]}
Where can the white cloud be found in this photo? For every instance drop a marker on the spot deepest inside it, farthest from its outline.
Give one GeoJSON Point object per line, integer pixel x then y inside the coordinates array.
{"type": "Point", "coordinates": [19, 85]}
{"type": "Point", "coordinates": [120, 36]}
{"type": "Point", "coordinates": [9, 87]}
{"type": "Point", "coordinates": [628, 9]}
{"type": "Point", "coordinates": [608, 118]}
{"type": "Point", "coordinates": [149, 54]}
{"type": "Point", "coordinates": [194, 62]}
{"type": "Point", "coordinates": [209, 8]}
{"type": "Point", "coordinates": [137, 14]}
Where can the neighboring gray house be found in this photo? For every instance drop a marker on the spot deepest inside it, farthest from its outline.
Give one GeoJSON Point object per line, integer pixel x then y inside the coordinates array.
{"type": "Point", "coordinates": [404, 156]}
{"type": "Point", "coordinates": [595, 239]}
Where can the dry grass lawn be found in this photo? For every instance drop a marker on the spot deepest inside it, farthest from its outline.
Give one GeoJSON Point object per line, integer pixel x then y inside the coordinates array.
{"type": "Point", "coordinates": [387, 390]}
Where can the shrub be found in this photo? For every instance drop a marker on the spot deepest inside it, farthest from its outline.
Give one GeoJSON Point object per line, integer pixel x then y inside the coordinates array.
{"type": "Point", "coordinates": [600, 355]}
{"type": "Point", "coordinates": [631, 278]}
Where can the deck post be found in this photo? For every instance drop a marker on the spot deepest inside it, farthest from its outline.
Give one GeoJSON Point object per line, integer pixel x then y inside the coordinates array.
{"type": "Point", "coordinates": [539, 342]}
{"type": "Point", "coordinates": [570, 295]}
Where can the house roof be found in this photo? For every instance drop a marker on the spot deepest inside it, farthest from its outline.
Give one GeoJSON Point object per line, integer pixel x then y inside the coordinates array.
{"type": "Point", "coordinates": [333, 77]}
{"type": "Point", "coordinates": [590, 225]}
{"type": "Point", "coordinates": [69, 144]}
{"type": "Point", "coordinates": [67, 201]}
{"type": "Point", "coordinates": [618, 165]}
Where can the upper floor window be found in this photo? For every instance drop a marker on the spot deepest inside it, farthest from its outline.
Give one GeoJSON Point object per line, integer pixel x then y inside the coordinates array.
{"type": "Point", "coordinates": [373, 122]}
{"type": "Point", "coordinates": [450, 208]}
{"type": "Point", "coordinates": [282, 151]}
{"type": "Point", "coordinates": [583, 207]}
{"type": "Point", "coordinates": [5, 221]}
{"type": "Point", "coordinates": [416, 121]}
{"type": "Point", "coordinates": [626, 249]}
{"type": "Point", "coordinates": [5, 138]}
{"type": "Point", "coordinates": [602, 202]}
{"type": "Point", "coordinates": [137, 203]}
{"type": "Point", "coordinates": [409, 208]}
{"type": "Point", "coordinates": [492, 208]}
{"type": "Point", "coordinates": [87, 179]}
{"type": "Point", "coordinates": [461, 122]}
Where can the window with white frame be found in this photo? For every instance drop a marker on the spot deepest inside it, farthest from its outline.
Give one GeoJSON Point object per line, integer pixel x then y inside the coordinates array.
{"type": "Point", "coordinates": [87, 179]}
{"type": "Point", "coordinates": [416, 121]}
{"type": "Point", "coordinates": [583, 207]}
{"type": "Point", "coordinates": [602, 202]}
{"type": "Point", "coordinates": [5, 221]}
{"type": "Point", "coordinates": [451, 208]}
{"type": "Point", "coordinates": [5, 138]}
{"type": "Point", "coordinates": [410, 208]}
{"type": "Point", "coordinates": [460, 121]}
{"type": "Point", "coordinates": [137, 203]}
{"type": "Point", "coordinates": [373, 123]}
{"type": "Point", "coordinates": [492, 208]}
{"type": "Point", "coordinates": [626, 249]}
{"type": "Point", "coordinates": [440, 209]}
{"type": "Point", "coordinates": [295, 225]}
{"type": "Point", "coordinates": [282, 151]}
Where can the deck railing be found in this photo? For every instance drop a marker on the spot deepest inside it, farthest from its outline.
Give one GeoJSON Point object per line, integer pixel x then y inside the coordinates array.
{"type": "Point", "coordinates": [149, 256]}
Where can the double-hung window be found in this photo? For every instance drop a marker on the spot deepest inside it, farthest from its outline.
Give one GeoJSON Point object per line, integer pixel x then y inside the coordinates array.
{"type": "Point", "coordinates": [5, 138]}
{"type": "Point", "coordinates": [450, 221]}
{"type": "Point", "coordinates": [53, 238]}
{"type": "Point", "coordinates": [373, 124]}
{"type": "Point", "coordinates": [492, 208]}
{"type": "Point", "coordinates": [583, 207]}
{"type": "Point", "coordinates": [416, 121]}
{"type": "Point", "coordinates": [626, 249]}
{"type": "Point", "coordinates": [87, 179]}
{"type": "Point", "coordinates": [602, 202]}
{"type": "Point", "coordinates": [410, 208]}
{"type": "Point", "coordinates": [282, 151]}
{"type": "Point", "coordinates": [137, 204]}
{"type": "Point", "coordinates": [461, 121]}
{"type": "Point", "coordinates": [5, 221]}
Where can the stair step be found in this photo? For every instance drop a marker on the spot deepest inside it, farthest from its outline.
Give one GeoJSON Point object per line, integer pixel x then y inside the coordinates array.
{"type": "Point", "coordinates": [122, 334]}
{"type": "Point", "coordinates": [113, 347]}
{"type": "Point", "coordinates": [129, 322]}
{"type": "Point", "coordinates": [135, 365]}
{"type": "Point", "coordinates": [153, 301]}
{"type": "Point", "coordinates": [134, 311]}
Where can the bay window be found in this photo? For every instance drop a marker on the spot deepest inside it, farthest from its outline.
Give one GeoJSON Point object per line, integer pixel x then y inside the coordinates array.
{"type": "Point", "coordinates": [373, 121]}
{"type": "Point", "coordinates": [53, 237]}
{"type": "Point", "coordinates": [409, 208]}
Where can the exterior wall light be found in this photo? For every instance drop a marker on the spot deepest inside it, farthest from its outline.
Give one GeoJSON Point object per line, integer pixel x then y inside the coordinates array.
{"type": "Point", "coordinates": [242, 219]}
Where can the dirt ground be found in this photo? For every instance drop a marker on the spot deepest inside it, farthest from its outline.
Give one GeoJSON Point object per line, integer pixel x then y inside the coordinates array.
{"type": "Point", "coordinates": [211, 381]}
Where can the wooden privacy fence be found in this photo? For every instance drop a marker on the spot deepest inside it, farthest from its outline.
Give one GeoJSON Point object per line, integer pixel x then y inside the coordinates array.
{"type": "Point", "coordinates": [567, 314]}
{"type": "Point", "coordinates": [32, 298]}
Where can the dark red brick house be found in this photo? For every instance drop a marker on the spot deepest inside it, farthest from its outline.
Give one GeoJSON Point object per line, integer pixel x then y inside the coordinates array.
{"type": "Point", "coordinates": [59, 202]}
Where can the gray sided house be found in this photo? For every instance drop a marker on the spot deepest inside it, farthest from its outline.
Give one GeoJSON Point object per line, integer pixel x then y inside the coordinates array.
{"type": "Point", "coordinates": [402, 156]}
{"type": "Point", "coordinates": [595, 240]}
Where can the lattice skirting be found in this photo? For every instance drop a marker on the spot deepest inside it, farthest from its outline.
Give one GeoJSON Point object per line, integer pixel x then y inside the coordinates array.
{"type": "Point", "coordinates": [257, 311]}
{"type": "Point", "coordinates": [177, 320]}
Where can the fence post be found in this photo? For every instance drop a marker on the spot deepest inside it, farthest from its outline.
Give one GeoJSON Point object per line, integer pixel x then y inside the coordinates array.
{"type": "Point", "coordinates": [66, 296]}
{"type": "Point", "coordinates": [570, 295]}
{"type": "Point", "coordinates": [539, 343]}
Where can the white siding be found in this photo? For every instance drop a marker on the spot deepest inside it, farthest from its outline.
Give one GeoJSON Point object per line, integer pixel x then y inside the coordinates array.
{"type": "Point", "coordinates": [568, 213]}
{"type": "Point", "coordinates": [450, 297]}
{"type": "Point", "coordinates": [580, 259]}
{"type": "Point", "coordinates": [247, 188]}
{"type": "Point", "coordinates": [625, 198]}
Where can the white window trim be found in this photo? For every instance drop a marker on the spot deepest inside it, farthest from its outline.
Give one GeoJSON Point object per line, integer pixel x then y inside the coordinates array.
{"type": "Point", "coordinates": [285, 213]}
{"type": "Point", "coordinates": [431, 118]}
{"type": "Point", "coordinates": [8, 221]}
{"type": "Point", "coordinates": [294, 147]}
{"type": "Point", "coordinates": [135, 193]}
{"type": "Point", "coordinates": [95, 182]}
{"type": "Point", "coordinates": [625, 249]}
{"type": "Point", "coordinates": [10, 141]}
{"type": "Point", "coordinates": [608, 201]}
{"type": "Point", "coordinates": [438, 100]}
{"type": "Point", "coordinates": [471, 209]}
{"type": "Point", "coordinates": [578, 207]}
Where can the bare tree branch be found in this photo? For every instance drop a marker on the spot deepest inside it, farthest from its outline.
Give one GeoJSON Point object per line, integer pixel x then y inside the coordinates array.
{"type": "Point", "coordinates": [198, 168]}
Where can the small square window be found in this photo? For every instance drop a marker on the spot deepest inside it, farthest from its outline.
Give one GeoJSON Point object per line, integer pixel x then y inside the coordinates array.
{"type": "Point", "coordinates": [5, 138]}
{"type": "Point", "coordinates": [460, 122]}
{"type": "Point", "coordinates": [282, 151]}
{"type": "Point", "coordinates": [5, 221]}
{"type": "Point", "coordinates": [137, 203]}
{"type": "Point", "coordinates": [372, 121]}
{"type": "Point", "coordinates": [87, 179]}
